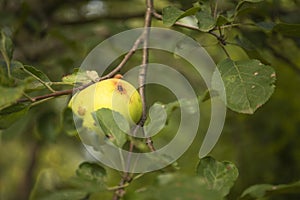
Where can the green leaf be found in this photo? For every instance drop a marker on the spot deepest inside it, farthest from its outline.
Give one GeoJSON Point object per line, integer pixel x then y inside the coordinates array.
{"type": "Point", "coordinates": [157, 119]}
{"type": "Point", "coordinates": [179, 187]}
{"type": "Point", "coordinates": [241, 3]}
{"type": "Point", "coordinates": [170, 15]}
{"type": "Point", "coordinates": [267, 190]}
{"type": "Point", "coordinates": [28, 78]}
{"type": "Point", "coordinates": [68, 122]}
{"type": "Point", "coordinates": [4, 79]}
{"type": "Point", "coordinates": [291, 30]}
{"type": "Point", "coordinates": [218, 176]}
{"type": "Point", "coordinates": [206, 22]}
{"type": "Point", "coordinates": [90, 179]}
{"type": "Point", "coordinates": [114, 125]}
{"type": "Point", "coordinates": [48, 126]}
{"type": "Point", "coordinates": [221, 20]}
{"type": "Point", "coordinates": [10, 95]}
{"type": "Point", "coordinates": [11, 114]}
{"type": "Point", "coordinates": [37, 73]}
{"type": "Point", "coordinates": [80, 77]}
{"type": "Point", "coordinates": [70, 194]}
{"type": "Point", "coordinates": [248, 84]}
{"type": "Point", "coordinates": [266, 26]}
{"type": "Point", "coordinates": [6, 47]}
{"type": "Point", "coordinates": [91, 171]}
{"type": "Point", "coordinates": [251, 49]}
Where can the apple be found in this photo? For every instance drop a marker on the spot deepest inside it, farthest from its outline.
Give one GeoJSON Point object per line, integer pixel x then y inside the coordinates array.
{"type": "Point", "coordinates": [115, 94]}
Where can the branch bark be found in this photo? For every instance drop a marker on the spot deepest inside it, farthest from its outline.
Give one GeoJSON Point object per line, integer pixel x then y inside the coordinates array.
{"type": "Point", "coordinates": [127, 177]}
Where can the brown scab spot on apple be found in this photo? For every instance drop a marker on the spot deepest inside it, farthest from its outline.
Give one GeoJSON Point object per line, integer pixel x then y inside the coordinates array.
{"type": "Point", "coordinates": [81, 111]}
{"type": "Point", "coordinates": [120, 88]}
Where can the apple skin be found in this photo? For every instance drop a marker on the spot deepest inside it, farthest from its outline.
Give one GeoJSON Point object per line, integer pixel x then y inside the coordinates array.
{"type": "Point", "coordinates": [115, 94]}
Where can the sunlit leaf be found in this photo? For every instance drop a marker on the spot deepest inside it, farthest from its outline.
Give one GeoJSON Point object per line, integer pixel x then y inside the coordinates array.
{"type": "Point", "coordinates": [248, 84]}
{"type": "Point", "coordinates": [218, 176]}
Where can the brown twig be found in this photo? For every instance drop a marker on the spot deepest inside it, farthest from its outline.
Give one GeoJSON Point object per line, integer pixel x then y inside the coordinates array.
{"type": "Point", "coordinates": [125, 59]}
{"type": "Point", "coordinates": [126, 178]}
{"type": "Point", "coordinates": [220, 38]}
{"type": "Point", "coordinates": [70, 91]}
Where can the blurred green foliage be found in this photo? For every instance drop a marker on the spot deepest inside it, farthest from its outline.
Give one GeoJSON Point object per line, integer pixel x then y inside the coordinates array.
{"type": "Point", "coordinates": [55, 36]}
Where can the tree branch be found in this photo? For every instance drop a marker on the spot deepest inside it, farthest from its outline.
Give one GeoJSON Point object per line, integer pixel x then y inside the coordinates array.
{"type": "Point", "coordinates": [120, 192]}
{"type": "Point", "coordinates": [109, 75]}
{"type": "Point", "coordinates": [220, 38]}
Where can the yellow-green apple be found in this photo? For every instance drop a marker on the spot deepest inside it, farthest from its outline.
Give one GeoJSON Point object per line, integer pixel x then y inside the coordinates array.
{"type": "Point", "coordinates": [115, 94]}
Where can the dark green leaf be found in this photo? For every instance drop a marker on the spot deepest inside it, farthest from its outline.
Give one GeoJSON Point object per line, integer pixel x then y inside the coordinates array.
{"type": "Point", "coordinates": [4, 79]}
{"type": "Point", "coordinates": [11, 114]}
{"type": "Point", "coordinates": [91, 171]}
{"type": "Point", "coordinates": [48, 126]}
{"type": "Point", "coordinates": [266, 26]}
{"type": "Point", "coordinates": [36, 73]}
{"type": "Point", "coordinates": [206, 22]}
{"type": "Point", "coordinates": [49, 185]}
{"type": "Point", "coordinates": [113, 124]}
{"type": "Point", "coordinates": [179, 187]}
{"type": "Point", "coordinates": [170, 15]}
{"type": "Point", "coordinates": [292, 30]}
{"type": "Point", "coordinates": [68, 122]}
{"type": "Point", "coordinates": [24, 77]}
{"type": "Point", "coordinates": [190, 11]}
{"type": "Point", "coordinates": [241, 3]}
{"type": "Point", "coordinates": [248, 84]}
{"type": "Point", "coordinates": [6, 47]}
{"type": "Point", "coordinates": [66, 195]}
{"type": "Point", "coordinates": [10, 95]}
{"type": "Point", "coordinates": [218, 176]}
{"type": "Point", "coordinates": [251, 49]}
{"type": "Point", "coordinates": [267, 190]}
{"type": "Point", "coordinates": [221, 20]}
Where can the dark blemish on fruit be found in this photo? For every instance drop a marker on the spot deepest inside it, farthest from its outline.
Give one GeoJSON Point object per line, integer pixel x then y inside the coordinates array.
{"type": "Point", "coordinates": [81, 111]}
{"type": "Point", "coordinates": [121, 89]}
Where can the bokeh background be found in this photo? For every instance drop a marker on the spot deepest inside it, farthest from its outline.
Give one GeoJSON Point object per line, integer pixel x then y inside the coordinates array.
{"type": "Point", "coordinates": [55, 36]}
